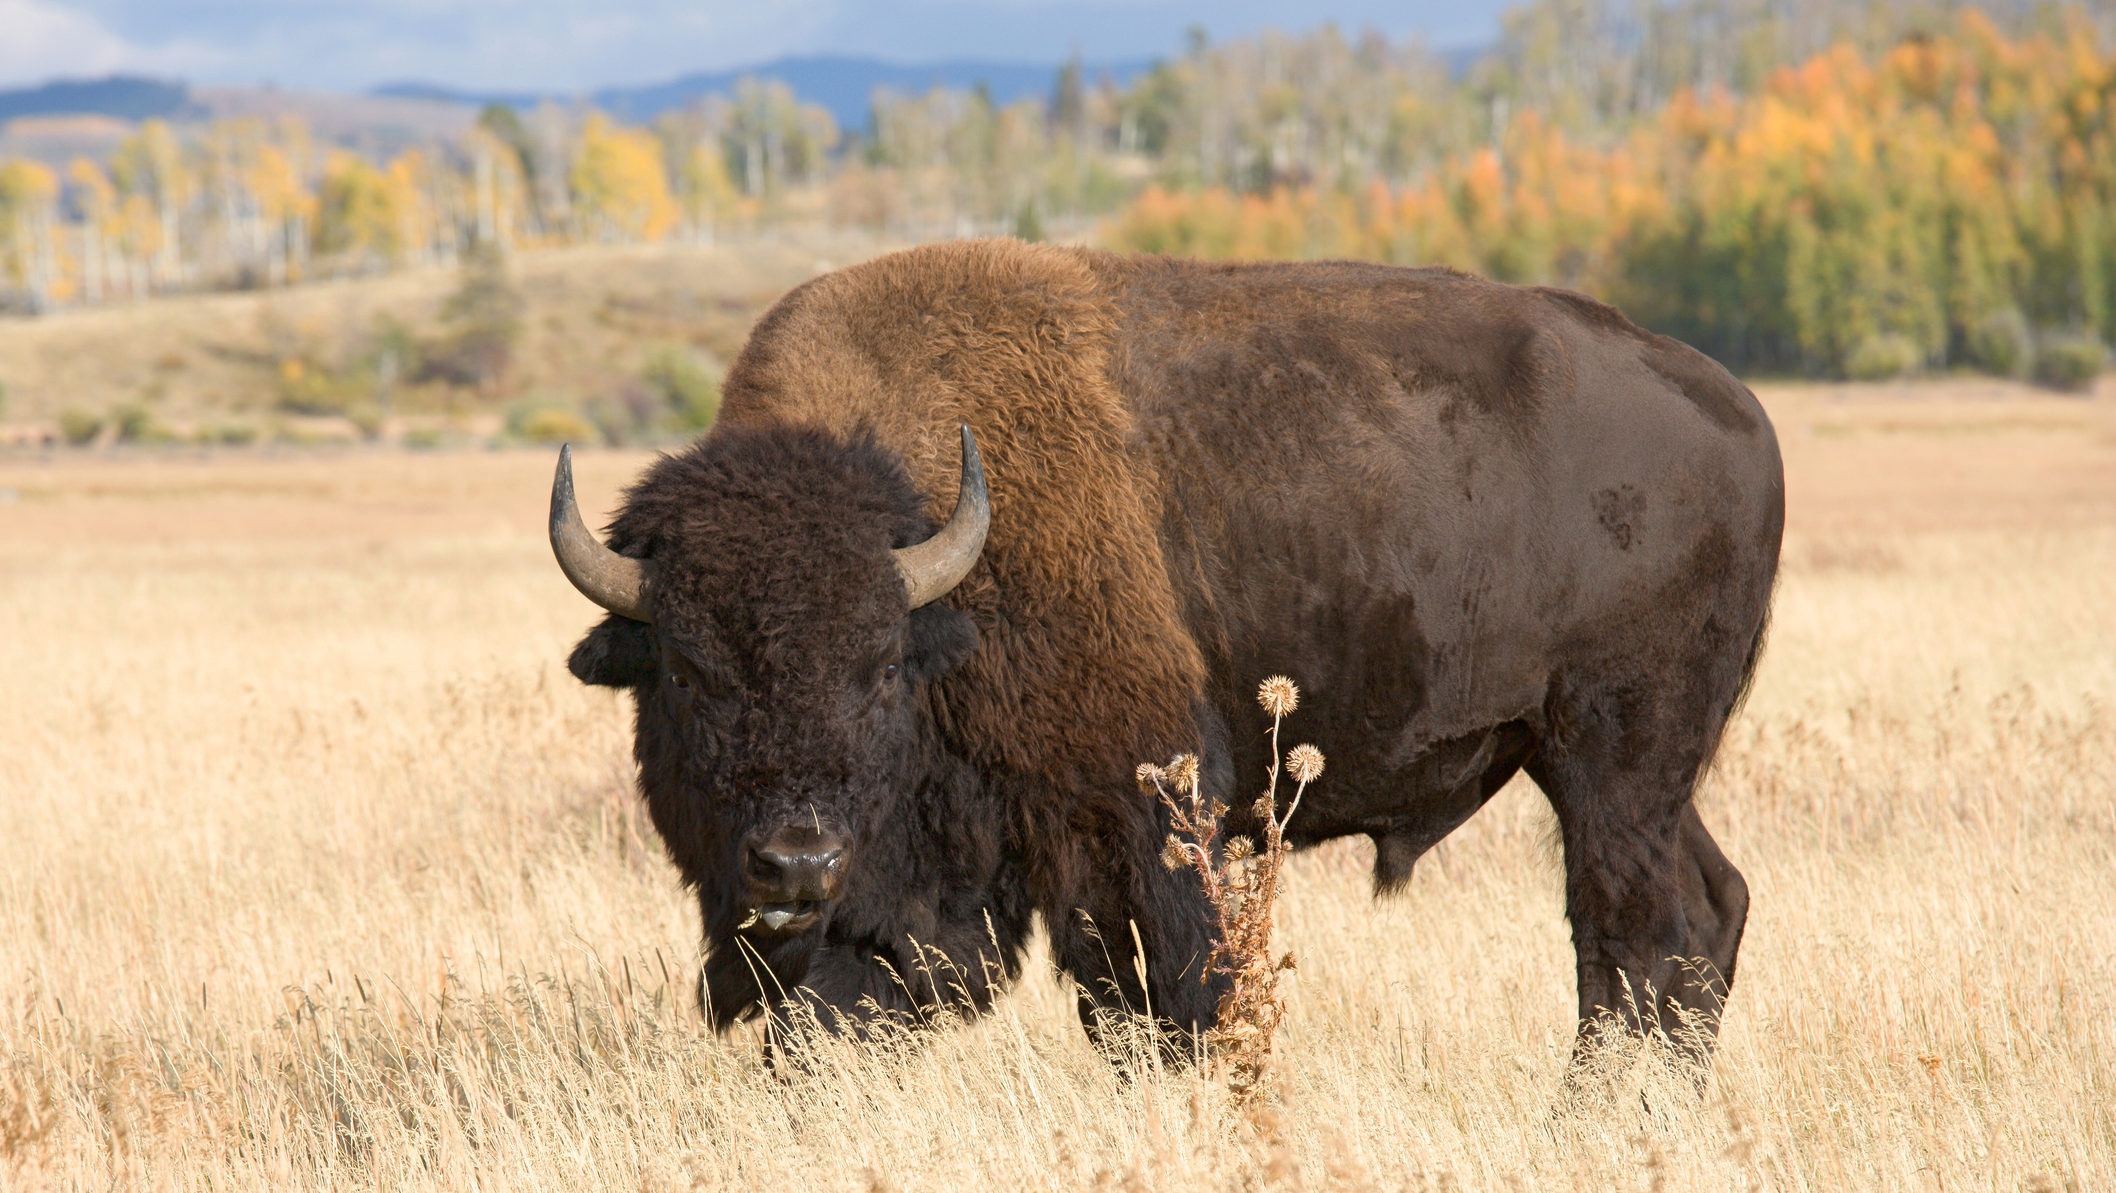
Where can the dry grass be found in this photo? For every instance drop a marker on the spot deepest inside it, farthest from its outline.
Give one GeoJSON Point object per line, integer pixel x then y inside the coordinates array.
{"type": "Point", "coordinates": [316, 870]}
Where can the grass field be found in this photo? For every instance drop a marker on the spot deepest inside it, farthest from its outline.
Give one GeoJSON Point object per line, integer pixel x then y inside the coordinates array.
{"type": "Point", "coordinates": [317, 870]}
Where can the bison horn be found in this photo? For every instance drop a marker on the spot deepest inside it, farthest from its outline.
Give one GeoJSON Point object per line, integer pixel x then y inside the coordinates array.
{"type": "Point", "coordinates": [932, 568]}
{"type": "Point", "coordinates": [618, 583]}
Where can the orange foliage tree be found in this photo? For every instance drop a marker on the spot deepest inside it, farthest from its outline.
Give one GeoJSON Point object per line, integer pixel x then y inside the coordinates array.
{"type": "Point", "coordinates": [1950, 202]}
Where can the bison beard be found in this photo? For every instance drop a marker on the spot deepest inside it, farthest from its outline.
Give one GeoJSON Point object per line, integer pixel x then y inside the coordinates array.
{"type": "Point", "coordinates": [1484, 528]}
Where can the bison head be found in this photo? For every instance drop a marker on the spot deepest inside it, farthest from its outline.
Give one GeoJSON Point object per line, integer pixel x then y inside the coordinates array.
{"type": "Point", "coordinates": [771, 597]}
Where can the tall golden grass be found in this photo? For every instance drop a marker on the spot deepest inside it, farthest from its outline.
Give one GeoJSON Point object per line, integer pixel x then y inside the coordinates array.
{"type": "Point", "coordinates": [316, 870]}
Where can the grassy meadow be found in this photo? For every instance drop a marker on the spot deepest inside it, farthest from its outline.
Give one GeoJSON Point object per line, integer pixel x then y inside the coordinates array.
{"type": "Point", "coordinates": [317, 870]}
{"type": "Point", "coordinates": [292, 363]}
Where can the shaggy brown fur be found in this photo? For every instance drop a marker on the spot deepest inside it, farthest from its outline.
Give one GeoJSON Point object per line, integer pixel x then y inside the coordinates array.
{"type": "Point", "coordinates": [1071, 592]}
{"type": "Point", "coordinates": [1084, 666]}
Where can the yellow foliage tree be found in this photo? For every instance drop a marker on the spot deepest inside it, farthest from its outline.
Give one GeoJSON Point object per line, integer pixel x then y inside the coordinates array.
{"type": "Point", "coordinates": [620, 188]}
{"type": "Point", "coordinates": [28, 191]}
{"type": "Point", "coordinates": [358, 212]}
{"type": "Point", "coordinates": [1939, 201]}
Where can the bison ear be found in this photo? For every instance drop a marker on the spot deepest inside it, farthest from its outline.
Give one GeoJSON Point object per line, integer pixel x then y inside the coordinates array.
{"type": "Point", "coordinates": [940, 639]}
{"type": "Point", "coordinates": [619, 653]}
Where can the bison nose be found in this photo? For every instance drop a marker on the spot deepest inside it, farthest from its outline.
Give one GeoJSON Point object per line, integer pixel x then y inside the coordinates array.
{"type": "Point", "coordinates": [799, 865]}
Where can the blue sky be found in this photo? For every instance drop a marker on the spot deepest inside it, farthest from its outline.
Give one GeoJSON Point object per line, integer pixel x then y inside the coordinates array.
{"type": "Point", "coordinates": [568, 45]}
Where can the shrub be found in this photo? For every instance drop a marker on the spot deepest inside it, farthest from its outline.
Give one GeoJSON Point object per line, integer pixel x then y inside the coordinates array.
{"type": "Point", "coordinates": [424, 439]}
{"type": "Point", "coordinates": [549, 424]}
{"type": "Point", "coordinates": [1242, 882]}
{"type": "Point", "coordinates": [79, 428]}
{"type": "Point", "coordinates": [368, 419]}
{"type": "Point", "coordinates": [1881, 356]}
{"type": "Point", "coordinates": [294, 435]}
{"type": "Point", "coordinates": [689, 388]}
{"type": "Point", "coordinates": [130, 421]}
{"type": "Point", "coordinates": [136, 424]}
{"type": "Point", "coordinates": [2002, 344]}
{"type": "Point", "coordinates": [388, 354]}
{"type": "Point", "coordinates": [484, 317]}
{"type": "Point", "coordinates": [235, 434]}
{"type": "Point", "coordinates": [634, 412]}
{"type": "Point", "coordinates": [1028, 222]}
{"type": "Point", "coordinates": [2070, 360]}
{"type": "Point", "coordinates": [307, 386]}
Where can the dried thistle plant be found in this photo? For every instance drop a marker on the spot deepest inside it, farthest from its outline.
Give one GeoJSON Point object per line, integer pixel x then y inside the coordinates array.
{"type": "Point", "coordinates": [1241, 881]}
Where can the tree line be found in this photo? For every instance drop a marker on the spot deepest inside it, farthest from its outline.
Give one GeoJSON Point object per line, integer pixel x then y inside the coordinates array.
{"type": "Point", "coordinates": [1949, 200]}
{"type": "Point", "coordinates": [1792, 184]}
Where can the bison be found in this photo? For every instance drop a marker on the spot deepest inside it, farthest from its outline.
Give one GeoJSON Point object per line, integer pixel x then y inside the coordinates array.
{"type": "Point", "coordinates": [1486, 528]}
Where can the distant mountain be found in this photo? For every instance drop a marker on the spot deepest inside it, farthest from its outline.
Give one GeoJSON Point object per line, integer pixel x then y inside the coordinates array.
{"type": "Point", "coordinates": [58, 122]}
{"type": "Point", "coordinates": [434, 93]}
{"type": "Point", "coordinates": [127, 97]}
{"type": "Point", "coordinates": [840, 83]}
{"type": "Point", "coordinates": [1459, 59]}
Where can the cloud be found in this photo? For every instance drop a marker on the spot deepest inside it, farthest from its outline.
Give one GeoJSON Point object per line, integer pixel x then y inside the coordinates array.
{"type": "Point", "coordinates": [44, 40]}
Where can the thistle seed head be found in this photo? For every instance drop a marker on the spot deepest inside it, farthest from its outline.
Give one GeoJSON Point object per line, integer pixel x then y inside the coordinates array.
{"type": "Point", "coordinates": [1239, 848]}
{"type": "Point", "coordinates": [1279, 695]}
{"type": "Point", "coordinates": [1264, 807]}
{"type": "Point", "coordinates": [1172, 853]}
{"type": "Point", "coordinates": [1182, 773]}
{"type": "Point", "coordinates": [1305, 763]}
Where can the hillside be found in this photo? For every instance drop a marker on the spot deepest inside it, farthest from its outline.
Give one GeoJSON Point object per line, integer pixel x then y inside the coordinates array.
{"type": "Point", "coordinates": [127, 97]}
{"type": "Point", "coordinates": [842, 84]}
{"type": "Point", "coordinates": [58, 122]}
{"type": "Point", "coordinates": [591, 318]}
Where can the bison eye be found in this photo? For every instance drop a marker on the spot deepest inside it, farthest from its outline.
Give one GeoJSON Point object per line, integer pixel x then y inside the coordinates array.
{"type": "Point", "coordinates": [679, 681]}
{"type": "Point", "coordinates": [890, 672]}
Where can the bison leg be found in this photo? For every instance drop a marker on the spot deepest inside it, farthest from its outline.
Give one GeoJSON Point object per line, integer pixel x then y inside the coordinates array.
{"type": "Point", "coordinates": [1656, 908]}
{"type": "Point", "coordinates": [850, 992]}
{"type": "Point", "coordinates": [1098, 923]}
{"type": "Point", "coordinates": [863, 993]}
{"type": "Point", "coordinates": [1716, 907]}
{"type": "Point", "coordinates": [1100, 952]}
{"type": "Point", "coordinates": [852, 988]}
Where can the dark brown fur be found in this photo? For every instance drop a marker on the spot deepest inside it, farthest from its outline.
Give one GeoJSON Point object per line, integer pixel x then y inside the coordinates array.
{"type": "Point", "coordinates": [1484, 527]}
